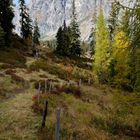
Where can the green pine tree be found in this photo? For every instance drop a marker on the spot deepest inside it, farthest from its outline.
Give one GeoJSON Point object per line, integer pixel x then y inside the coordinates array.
{"type": "Point", "coordinates": [63, 41]}
{"type": "Point", "coordinates": [92, 41]}
{"type": "Point", "coordinates": [36, 34]}
{"type": "Point", "coordinates": [128, 62]}
{"type": "Point", "coordinates": [25, 21]}
{"type": "Point", "coordinates": [59, 37]}
{"type": "Point", "coordinates": [137, 70]}
{"type": "Point", "coordinates": [112, 25]}
{"type": "Point", "coordinates": [92, 37]}
{"type": "Point", "coordinates": [134, 34]}
{"type": "Point", "coordinates": [102, 60]}
{"type": "Point", "coordinates": [113, 19]}
{"type": "Point", "coordinates": [6, 17]}
{"type": "Point", "coordinates": [75, 33]}
{"type": "Point", "coordinates": [2, 41]}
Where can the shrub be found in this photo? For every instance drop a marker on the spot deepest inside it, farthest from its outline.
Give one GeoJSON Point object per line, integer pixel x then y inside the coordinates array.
{"type": "Point", "coordinates": [123, 118]}
{"type": "Point", "coordinates": [115, 126]}
{"type": "Point", "coordinates": [38, 103]}
{"type": "Point", "coordinates": [84, 75]}
{"type": "Point", "coordinates": [69, 89]}
{"type": "Point", "coordinates": [40, 64]}
{"type": "Point", "coordinates": [56, 70]}
{"type": "Point", "coordinates": [40, 98]}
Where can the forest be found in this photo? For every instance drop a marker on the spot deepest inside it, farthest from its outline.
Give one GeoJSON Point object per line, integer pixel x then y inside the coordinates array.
{"type": "Point", "coordinates": [67, 88]}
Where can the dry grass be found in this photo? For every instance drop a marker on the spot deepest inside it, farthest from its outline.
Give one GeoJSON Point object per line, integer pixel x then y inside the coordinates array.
{"type": "Point", "coordinates": [12, 58]}
{"type": "Point", "coordinates": [93, 117]}
{"type": "Point", "coordinates": [75, 118]}
{"type": "Point", "coordinates": [65, 72]}
{"type": "Point", "coordinates": [8, 87]}
{"type": "Point", "coordinates": [17, 120]}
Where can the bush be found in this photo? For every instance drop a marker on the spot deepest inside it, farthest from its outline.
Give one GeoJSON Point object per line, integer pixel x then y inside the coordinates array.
{"type": "Point", "coordinates": [69, 89]}
{"type": "Point", "coordinates": [123, 118]}
{"type": "Point", "coordinates": [84, 75]}
{"type": "Point", "coordinates": [38, 103]}
{"type": "Point", "coordinates": [112, 125]}
{"type": "Point", "coordinates": [115, 126]}
{"type": "Point", "coordinates": [56, 70]}
{"type": "Point", "coordinates": [40, 98]}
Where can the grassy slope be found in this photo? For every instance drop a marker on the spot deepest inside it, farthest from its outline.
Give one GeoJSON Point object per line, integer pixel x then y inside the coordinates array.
{"type": "Point", "coordinates": [101, 113]}
{"type": "Point", "coordinates": [17, 121]}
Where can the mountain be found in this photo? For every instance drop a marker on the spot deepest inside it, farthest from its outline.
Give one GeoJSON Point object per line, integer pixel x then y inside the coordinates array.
{"type": "Point", "coordinates": [50, 15]}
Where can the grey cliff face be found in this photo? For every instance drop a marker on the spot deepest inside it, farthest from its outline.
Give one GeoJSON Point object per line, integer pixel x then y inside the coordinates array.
{"type": "Point", "coordinates": [50, 15]}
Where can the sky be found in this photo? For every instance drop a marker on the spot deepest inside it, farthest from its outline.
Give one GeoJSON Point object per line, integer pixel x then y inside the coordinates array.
{"type": "Point", "coordinates": [16, 1]}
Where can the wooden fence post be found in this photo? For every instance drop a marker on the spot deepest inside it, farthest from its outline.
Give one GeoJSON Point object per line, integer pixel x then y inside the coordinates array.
{"type": "Point", "coordinates": [50, 87]}
{"type": "Point", "coordinates": [57, 131]}
{"type": "Point", "coordinates": [45, 114]}
{"type": "Point", "coordinates": [39, 87]}
{"type": "Point", "coordinates": [45, 86]}
{"type": "Point", "coordinates": [80, 82]}
{"type": "Point", "coordinates": [89, 81]}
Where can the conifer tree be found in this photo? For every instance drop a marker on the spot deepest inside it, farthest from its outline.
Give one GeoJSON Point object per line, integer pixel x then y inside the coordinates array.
{"type": "Point", "coordinates": [67, 41]}
{"type": "Point", "coordinates": [36, 34]}
{"type": "Point", "coordinates": [25, 21]}
{"type": "Point", "coordinates": [75, 33]}
{"type": "Point", "coordinates": [112, 25]}
{"type": "Point", "coordinates": [92, 41]}
{"type": "Point", "coordinates": [134, 34]}
{"type": "Point", "coordinates": [126, 50]}
{"type": "Point", "coordinates": [102, 60]}
{"type": "Point", "coordinates": [6, 17]}
{"type": "Point", "coordinates": [59, 38]}
{"type": "Point", "coordinates": [92, 37]}
{"type": "Point", "coordinates": [2, 41]}
{"type": "Point", "coordinates": [113, 19]}
{"type": "Point", "coordinates": [63, 41]}
{"type": "Point", "coordinates": [121, 57]}
{"type": "Point", "coordinates": [68, 38]}
{"type": "Point", "coordinates": [131, 22]}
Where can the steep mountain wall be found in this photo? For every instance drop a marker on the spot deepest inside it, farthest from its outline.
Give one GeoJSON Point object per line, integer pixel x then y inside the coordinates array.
{"type": "Point", "coordinates": [50, 15]}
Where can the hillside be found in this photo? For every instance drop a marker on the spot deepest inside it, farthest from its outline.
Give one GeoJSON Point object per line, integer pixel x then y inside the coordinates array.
{"type": "Point", "coordinates": [84, 84]}
{"type": "Point", "coordinates": [88, 110]}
